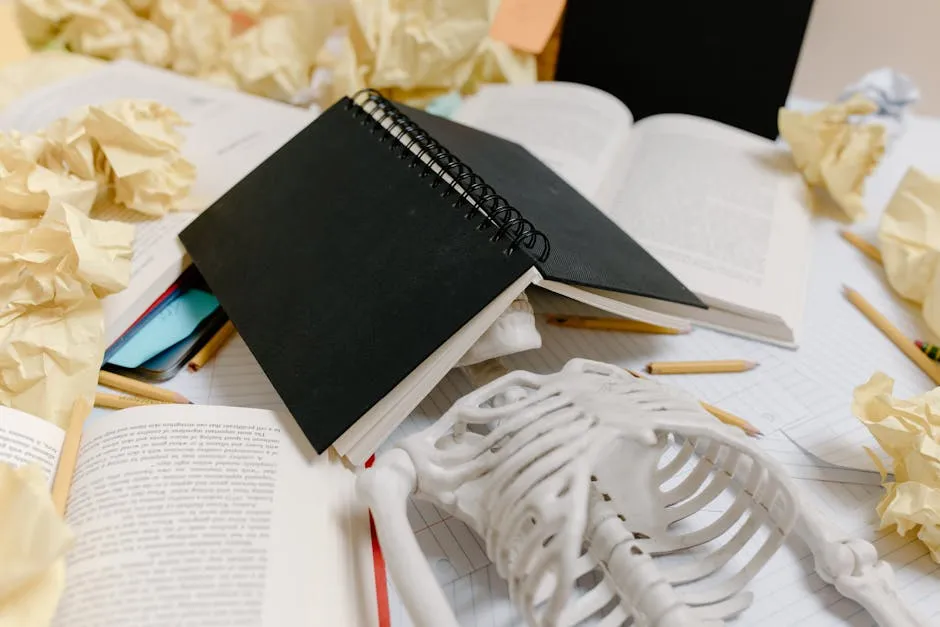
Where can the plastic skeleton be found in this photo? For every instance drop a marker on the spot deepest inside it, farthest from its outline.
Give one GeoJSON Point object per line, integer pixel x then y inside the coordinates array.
{"type": "Point", "coordinates": [577, 472]}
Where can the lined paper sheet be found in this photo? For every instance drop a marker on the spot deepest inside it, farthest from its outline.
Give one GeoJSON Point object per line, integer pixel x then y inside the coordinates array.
{"type": "Point", "coordinates": [813, 385]}
{"type": "Point", "coordinates": [772, 397]}
{"type": "Point", "coordinates": [801, 465]}
{"type": "Point", "coordinates": [843, 349]}
{"type": "Point", "coordinates": [232, 378]}
{"type": "Point", "coordinates": [787, 591]}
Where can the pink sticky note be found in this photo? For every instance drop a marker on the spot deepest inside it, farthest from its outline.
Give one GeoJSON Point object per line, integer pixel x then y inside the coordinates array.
{"type": "Point", "coordinates": [526, 25]}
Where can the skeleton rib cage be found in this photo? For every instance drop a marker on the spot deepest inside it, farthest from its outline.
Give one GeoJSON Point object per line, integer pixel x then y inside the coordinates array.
{"type": "Point", "coordinates": [607, 500]}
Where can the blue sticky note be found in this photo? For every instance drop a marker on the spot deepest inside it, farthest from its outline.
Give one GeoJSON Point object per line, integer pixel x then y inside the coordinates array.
{"type": "Point", "coordinates": [445, 106]}
{"type": "Point", "coordinates": [174, 323]}
{"type": "Point", "coordinates": [154, 311]}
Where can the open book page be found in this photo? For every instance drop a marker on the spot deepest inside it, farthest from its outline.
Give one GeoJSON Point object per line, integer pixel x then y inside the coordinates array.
{"type": "Point", "coordinates": [25, 439]}
{"type": "Point", "coordinates": [228, 135]}
{"type": "Point", "coordinates": [194, 514]}
{"type": "Point", "coordinates": [720, 208]}
{"type": "Point", "coordinates": [577, 131]}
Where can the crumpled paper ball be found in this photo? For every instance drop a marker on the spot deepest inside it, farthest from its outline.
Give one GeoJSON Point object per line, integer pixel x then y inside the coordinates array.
{"type": "Point", "coordinates": [126, 152]}
{"type": "Point", "coordinates": [270, 60]}
{"type": "Point", "coordinates": [106, 29]}
{"type": "Point", "coordinates": [199, 33]}
{"type": "Point", "coordinates": [832, 152]}
{"type": "Point", "coordinates": [56, 261]}
{"type": "Point", "coordinates": [52, 273]}
{"type": "Point", "coordinates": [33, 544]}
{"type": "Point", "coordinates": [130, 151]}
{"type": "Point", "coordinates": [893, 94]}
{"type": "Point", "coordinates": [909, 239]}
{"type": "Point", "coordinates": [264, 47]}
{"type": "Point", "coordinates": [140, 144]}
{"type": "Point", "coordinates": [27, 188]}
{"type": "Point", "coordinates": [414, 56]}
{"type": "Point", "coordinates": [909, 432]}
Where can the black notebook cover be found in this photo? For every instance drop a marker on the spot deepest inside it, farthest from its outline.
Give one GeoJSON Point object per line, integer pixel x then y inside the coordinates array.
{"type": "Point", "coordinates": [343, 269]}
{"type": "Point", "coordinates": [587, 247]}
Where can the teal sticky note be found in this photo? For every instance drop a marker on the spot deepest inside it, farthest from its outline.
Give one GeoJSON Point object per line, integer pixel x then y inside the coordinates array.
{"type": "Point", "coordinates": [173, 324]}
{"type": "Point", "coordinates": [445, 106]}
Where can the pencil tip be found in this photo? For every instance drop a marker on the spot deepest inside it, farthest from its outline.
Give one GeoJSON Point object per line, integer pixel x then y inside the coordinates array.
{"type": "Point", "coordinates": [752, 364]}
{"type": "Point", "coordinates": [648, 368]}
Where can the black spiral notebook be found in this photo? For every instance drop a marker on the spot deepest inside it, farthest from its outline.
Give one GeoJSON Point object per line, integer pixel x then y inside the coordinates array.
{"type": "Point", "coordinates": [366, 256]}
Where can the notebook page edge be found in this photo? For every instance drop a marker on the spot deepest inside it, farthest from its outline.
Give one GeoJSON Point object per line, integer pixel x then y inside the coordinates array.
{"type": "Point", "coordinates": [359, 442]}
{"type": "Point", "coordinates": [608, 301]}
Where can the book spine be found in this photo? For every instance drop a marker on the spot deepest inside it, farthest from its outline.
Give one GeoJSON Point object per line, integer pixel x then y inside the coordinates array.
{"type": "Point", "coordinates": [470, 192]}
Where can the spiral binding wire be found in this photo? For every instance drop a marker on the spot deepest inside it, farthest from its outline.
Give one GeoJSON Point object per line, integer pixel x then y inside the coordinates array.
{"type": "Point", "coordinates": [472, 192]}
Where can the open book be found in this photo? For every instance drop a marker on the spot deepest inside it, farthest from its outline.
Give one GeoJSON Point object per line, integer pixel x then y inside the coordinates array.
{"type": "Point", "coordinates": [197, 515]}
{"type": "Point", "coordinates": [228, 134]}
{"type": "Point", "coordinates": [719, 207]}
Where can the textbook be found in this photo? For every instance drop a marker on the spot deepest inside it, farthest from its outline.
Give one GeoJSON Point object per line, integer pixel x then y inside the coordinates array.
{"type": "Point", "coordinates": [193, 514]}
{"type": "Point", "coordinates": [721, 208]}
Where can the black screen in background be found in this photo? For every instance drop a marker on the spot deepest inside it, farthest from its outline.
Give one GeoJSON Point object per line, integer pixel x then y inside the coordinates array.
{"type": "Point", "coordinates": [730, 61]}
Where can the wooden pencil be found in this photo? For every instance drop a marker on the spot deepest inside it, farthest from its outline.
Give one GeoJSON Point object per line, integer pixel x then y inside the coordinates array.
{"type": "Point", "coordinates": [931, 350]}
{"type": "Point", "coordinates": [724, 416]}
{"type": "Point", "coordinates": [118, 401]}
{"type": "Point", "coordinates": [610, 324]}
{"type": "Point", "coordinates": [700, 367]}
{"type": "Point", "coordinates": [907, 346]}
{"type": "Point", "coordinates": [863, 245]}
{"type": "Point", "coordinates": [139, 388]}
{"type": "Point", "coordinates": [212, 347]}
{"type": "Point", "coordinates": [730, 419]}
{"type": "Point", "coordinates": [66, 466]}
